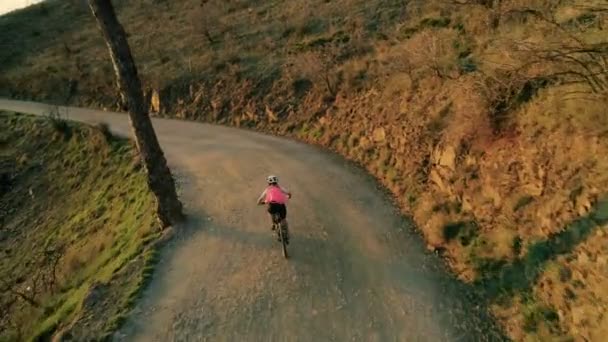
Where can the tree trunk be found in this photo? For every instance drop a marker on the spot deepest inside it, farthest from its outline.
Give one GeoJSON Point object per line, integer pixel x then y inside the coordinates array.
{"type": "Point", "coordinates": [159, 176]}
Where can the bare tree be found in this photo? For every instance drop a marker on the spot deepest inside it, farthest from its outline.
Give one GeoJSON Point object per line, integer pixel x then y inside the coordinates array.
{"type": "Point", "coordinates": [160, 179]}
{"type": "Point", "coordinates": [320, 68]}
{"type": "Point", "coordinates": [567, 58]}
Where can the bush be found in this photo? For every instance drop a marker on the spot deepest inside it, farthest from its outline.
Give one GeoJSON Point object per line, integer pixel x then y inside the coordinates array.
{"type": "Point", "coordinates": [59, 123]}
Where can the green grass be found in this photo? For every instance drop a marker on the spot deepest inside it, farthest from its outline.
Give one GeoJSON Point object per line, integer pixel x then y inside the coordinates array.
{"type": "Point", "coordinates": [75, 192]}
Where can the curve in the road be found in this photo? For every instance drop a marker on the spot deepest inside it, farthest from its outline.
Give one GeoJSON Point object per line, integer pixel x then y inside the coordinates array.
{"type": "Point", "coordinates": [358, 272]}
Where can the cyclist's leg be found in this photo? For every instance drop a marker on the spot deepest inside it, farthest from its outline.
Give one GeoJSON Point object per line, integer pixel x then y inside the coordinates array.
{"type": "Point", "coordinates": [271, 211]}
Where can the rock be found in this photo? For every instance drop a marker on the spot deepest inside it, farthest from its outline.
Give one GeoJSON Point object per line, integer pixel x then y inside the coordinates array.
{"type": "Point", "coordinates": [198, 98]}
{"type": "Point", "coordinates": [379, 135]}
{"type": "Point", "coordinates": [155, 102]}
{"type": "Point", "coordinates": [216, 104]}
{"type": "Point", "coordinates": [491, 193]}
{"type": "Point", "coordinates": [578, 315]}
{"type": "Point", "coordinates": [250, 115]}
{"type": "Point", "coordinates": [470, 161]}
{"type": "Point", "coordinates": [364, 143]}
{"type": "Point", "coordinates": [447, 158]}
{"type": "Point", "coordinates": [436, 178]}
{"type": "Point", "coordinates": [466, 204]}
{"type": "Point", "coordinates": [583, 205]}
{"type": "Point", "coordinates": [534, 189]}
{"type": "Point", "coordinates": [583, 258]}
{"type": "Point", "coordinates": [272, 117]}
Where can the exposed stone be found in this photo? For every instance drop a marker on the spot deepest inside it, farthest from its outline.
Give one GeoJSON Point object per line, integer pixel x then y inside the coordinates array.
{"type": "Point", "coordinates": [491, 193]}
{"type": "Point", "coordinates": [364, 143]}
{"type": "Point", "coordinates": [578, 315]}
{"type": "Point", "coordinates": [155, 101]}
{"type": "Point", "coordinates": [249, 115]}
{"type": "Point", "coordinates": [272, 117]}
{"type": "Point", "coordinates": [583, 205]}
{"type": "Point", "coordinates": [436, 178]}
{"type": "Point", "coordinates": [583, 258]}
{"type": "Point", "coordinates": [447, 158]}
{"type": "Point", "coordinates": [379, 135]}
{"type": "Point", "coordinates": [534, 188]}
{"type": "Point", "coordinates": [470, 160]}
{"type": "Point", "coordinates": [466, 204]}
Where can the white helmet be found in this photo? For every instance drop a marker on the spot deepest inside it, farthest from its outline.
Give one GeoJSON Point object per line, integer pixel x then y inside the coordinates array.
{"type": "Point", "coordinates": [272, 179]}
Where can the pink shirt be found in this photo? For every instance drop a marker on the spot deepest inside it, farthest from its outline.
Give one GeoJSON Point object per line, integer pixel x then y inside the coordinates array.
{"type": "Point", "coordinates": [275, 194]}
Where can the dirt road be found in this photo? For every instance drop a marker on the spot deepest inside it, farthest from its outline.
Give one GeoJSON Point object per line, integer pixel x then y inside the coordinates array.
{"type": "Point", "coordinates": [357, 273]}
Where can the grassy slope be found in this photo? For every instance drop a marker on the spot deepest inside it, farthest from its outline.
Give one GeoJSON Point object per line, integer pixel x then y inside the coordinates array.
{"type": "Point", "coordinates": [495, 160]}
{"type": "Point", "coordinates": [76, 218]}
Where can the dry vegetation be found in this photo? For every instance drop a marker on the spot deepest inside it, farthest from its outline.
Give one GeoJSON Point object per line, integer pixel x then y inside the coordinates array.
{"type": "Point", "coordinates": [486, 119]}
{"type": "Point", "coordinates": [76, 226]}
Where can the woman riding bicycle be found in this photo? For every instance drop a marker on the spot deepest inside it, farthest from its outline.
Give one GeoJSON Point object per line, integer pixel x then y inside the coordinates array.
{"type": "Point", "coordinates": [275, 196]}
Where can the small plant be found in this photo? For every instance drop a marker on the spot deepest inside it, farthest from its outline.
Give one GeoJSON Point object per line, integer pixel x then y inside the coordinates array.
{"type": "Point", "coordinates": [467, 65]}
{"type": "Point", "coordinates": [466, 232]}
{"type": "Point", "coordinates": [565, 274]}
{"type": "Point", "coordinates": [301, 87]}
{"type": "Point", "coordinates": [536, 314]}
{"type": "Point", "coordinates": [517, 245]}
{"type": "Point", "coordinates": [569, 294]}
{"type": "Point", "coordinates": [314, 25]}
{"type": "Point", "coordinates": [59, 123]}
{"type": "Point", "coordinates": [522, 202]}
{"type": "Point", "coordinates": [435, 22]}
{"type": "Point", "coordinates": [411, 199]}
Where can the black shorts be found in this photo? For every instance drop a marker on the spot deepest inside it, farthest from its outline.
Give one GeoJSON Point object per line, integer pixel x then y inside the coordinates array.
{"type": "Point", "coordinates": [276, 208]}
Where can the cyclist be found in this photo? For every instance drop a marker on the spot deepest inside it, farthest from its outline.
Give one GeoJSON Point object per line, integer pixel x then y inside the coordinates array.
{"type": "Point", "coordinates": [275, 196]}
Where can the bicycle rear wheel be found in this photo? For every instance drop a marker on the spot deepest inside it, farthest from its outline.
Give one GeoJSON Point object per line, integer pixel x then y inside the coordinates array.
{"type": "Point", "coordinates": [283, 243]}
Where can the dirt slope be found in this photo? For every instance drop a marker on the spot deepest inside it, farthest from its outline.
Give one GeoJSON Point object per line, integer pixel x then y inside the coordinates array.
{"type": "Point", "coordinates": [357, 272]}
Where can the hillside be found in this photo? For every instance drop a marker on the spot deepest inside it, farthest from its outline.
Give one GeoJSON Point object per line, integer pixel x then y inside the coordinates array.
{"type": "Point", "coordinates": [487, 120]}
{"type": "Point", "coordinates": [76, 226]}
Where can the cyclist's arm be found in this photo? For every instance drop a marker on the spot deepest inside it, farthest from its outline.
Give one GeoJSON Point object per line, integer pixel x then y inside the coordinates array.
{"type": "Point", "coordinates": [285, 191]}
{"type": "Point", "coordinates": [262, 197]}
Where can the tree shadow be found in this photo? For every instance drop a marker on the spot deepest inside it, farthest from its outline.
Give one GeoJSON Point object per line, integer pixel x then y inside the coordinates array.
{"type": "Point", "coordinates": [264, 239]}
{"type": "Point", "coordinates": [461, 310]}
{"type": "Point", "coordinates": [504, 278]}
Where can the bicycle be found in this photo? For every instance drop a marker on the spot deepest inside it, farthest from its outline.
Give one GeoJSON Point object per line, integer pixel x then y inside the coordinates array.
{"type": "Point", "coordinates": [281, 232]}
